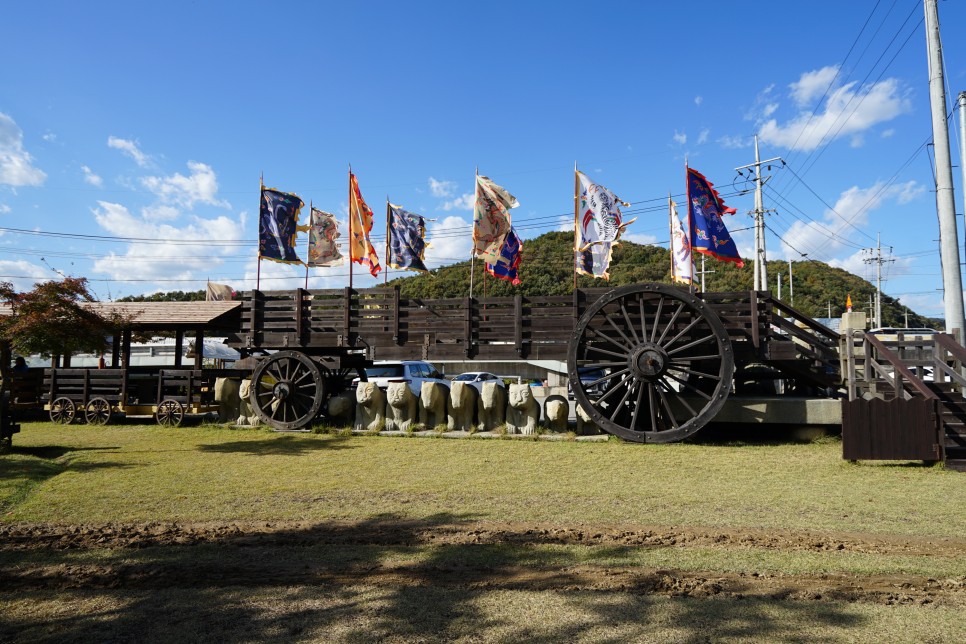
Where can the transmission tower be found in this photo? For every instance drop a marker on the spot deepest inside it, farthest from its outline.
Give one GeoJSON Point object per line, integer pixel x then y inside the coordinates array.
{"type": "Point", "coordinates": [761, 272]}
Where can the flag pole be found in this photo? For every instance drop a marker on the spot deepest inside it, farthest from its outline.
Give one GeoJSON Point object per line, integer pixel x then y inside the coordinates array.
{"type": "Point", "coordinates": [350, 227]}
{"type": "Point", "coordinates": [670, 225]}
{"type": "Point", "coordinates": [476, 196]}
{"type": "Point", "coordinates": [258, 270]}
{"type": "Point", "coordinates": [308, 249]}
{"type": "Point", "coordinates": [385, 277]}
{"type": "Point", "coordinates": [576, 209]}
{"type": "Point", "coordinates": [687, 204]}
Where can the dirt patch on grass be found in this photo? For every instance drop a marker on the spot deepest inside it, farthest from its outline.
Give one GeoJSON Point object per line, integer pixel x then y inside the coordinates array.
{"type": "Point", "coordinates": [262, 554]}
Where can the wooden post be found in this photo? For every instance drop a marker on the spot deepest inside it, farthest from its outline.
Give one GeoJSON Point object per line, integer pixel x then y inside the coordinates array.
{"type": "Point", "coordinates": [178, 346]}
{"type": "Point", "coordinates": [199, 348]}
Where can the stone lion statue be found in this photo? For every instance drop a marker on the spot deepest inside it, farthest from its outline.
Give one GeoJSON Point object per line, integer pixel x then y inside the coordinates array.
{"type": "Point", "coordinates": [585, 426]}
{"type": "Point", "coordinates": [523, 411]}
{"type": "Point", "coordinates": [462, 407]}
{"type": "Point", "coordinates": [370, 407]}
{"type": "Point", "coordinates": [491, 407]}
{"type": "Point", "coordinates": [341, 408]}
{"type": "Point", "coordinates": [432, 404]}
{"type": "Point", "coordinates": [556, 413]}
{"type": "Point", "coordinates": [400, 407]}
{"type": "Point", "coordinates": [246, 415]}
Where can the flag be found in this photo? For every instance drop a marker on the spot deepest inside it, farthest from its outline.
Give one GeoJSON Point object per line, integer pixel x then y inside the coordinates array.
{"type": "Point", "coordinates": [707, 230]}
{"type": "Point", "coordinates": [218, 292]}
{"type": "Point", "coordinates": [682, 266]}
{"type": "Point", "coordinates": [491, 219]}
{"type": "Point", "coordinates": [278, 220]}
{"type": "Point", "coordinates": [599, 226]}
{"type": "Point", "coordinates": [506, 268]}
{"type": "Point", "coordinates": [323, 231]}
{"type": "Point", "coordinates": [407, 243]}
{"type": "Point", "coordinates": [361, 250]}
{"type": "Point", "coordinates": [848, 303]}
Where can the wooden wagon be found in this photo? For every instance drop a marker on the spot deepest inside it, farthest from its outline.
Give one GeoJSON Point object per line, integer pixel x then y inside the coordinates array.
{"type": "Point", "coordinates": [669, 358]}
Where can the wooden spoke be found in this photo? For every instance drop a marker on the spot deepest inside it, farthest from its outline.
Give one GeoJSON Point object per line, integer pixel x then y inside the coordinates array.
{"type": "Point", "coordinates": [62, 410]}
{"type": "Point", "coordinates": [97, 412]}
{"type": "Point", "coordinates": [289, 390]}
{"type": "Point", "coordinates": [170, 413]}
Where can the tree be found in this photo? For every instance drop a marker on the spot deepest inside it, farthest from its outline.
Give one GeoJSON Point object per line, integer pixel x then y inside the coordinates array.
{"type": "Point", "coordinates": [52, 320]}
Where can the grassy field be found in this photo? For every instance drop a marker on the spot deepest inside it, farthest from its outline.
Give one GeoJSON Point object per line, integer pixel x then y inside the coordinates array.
{"type": "Point", "coordinates": [306, 536]}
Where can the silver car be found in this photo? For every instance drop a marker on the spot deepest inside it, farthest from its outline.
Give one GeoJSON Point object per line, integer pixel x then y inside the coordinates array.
{"type": "Point", "coordinates": [413, 372]}
{"type": "Point", "coordinates": [477, 378]}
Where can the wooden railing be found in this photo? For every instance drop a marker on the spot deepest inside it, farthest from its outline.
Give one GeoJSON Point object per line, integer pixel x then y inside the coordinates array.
{"type": "Point", "coordinates": [891, 368]}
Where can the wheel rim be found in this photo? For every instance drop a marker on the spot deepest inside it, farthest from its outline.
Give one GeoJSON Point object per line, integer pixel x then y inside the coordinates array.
{"type": "Point", "coordinates": [170, 413]}
{"type": "Point", "coordinates": [666, 362]}
{"type": "Point", "coordinates": [98, 412]}
{"type": "Point", "coordinates": [287, 390]}
{"type": "Point", "coordinates": [62, 411]}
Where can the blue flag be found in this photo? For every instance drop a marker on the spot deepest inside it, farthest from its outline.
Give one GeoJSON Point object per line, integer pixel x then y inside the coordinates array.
{"type": "Point", "coordinates": [407, 243]}
{"type": "Point", "coordinates": [278, 220]}
{"type": "Point", "coordinates": [507, 266]}
{"type": "Point", "coordinates": [707, 230]}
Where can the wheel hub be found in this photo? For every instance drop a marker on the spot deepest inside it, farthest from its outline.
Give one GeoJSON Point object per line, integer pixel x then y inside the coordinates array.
{"type": "Point", "coordinates": [281, 390]}
{"type": "Point", "coordinates": [648, 361]}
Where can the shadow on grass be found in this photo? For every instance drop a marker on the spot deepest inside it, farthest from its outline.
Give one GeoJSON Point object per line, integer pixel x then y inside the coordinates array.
{"type": "Point", "coordinates": [386, 578]}
{"type": "Point", "coordinates": [278, 445]}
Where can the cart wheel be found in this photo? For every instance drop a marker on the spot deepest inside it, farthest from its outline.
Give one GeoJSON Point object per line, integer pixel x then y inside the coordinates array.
{"type": "Point", "coordinates": [287, 390]}
{"type": "Point", "coordinates": [62, 411]}
{"type": "Point", "coordinates": [657, 363]}
{"type": "Point", "coordinates": [170, 413]}
{"type": "Point", "coordinates": [98, 412]}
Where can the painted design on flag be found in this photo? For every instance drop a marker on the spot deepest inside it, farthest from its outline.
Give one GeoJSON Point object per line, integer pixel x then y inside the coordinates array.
{"type": "Point", "coordinates": [709, 235]}
{"type": "Point", "coordinates": [407, 239]}
{"type": "Point", "coordinates": [278, 220]}
{"type": "Point", "coordinates": [323, 232]}
{"type": "Point", "coordinates": [682, 266]}
{"type": "Point", "coordinates": [361, 249]}
{"type": "Point", "coordinates": [599, 226]}
{"type": "Point", "coordinates": [507, 267]}
{"type": "Point", "coordinates": [491, 219]}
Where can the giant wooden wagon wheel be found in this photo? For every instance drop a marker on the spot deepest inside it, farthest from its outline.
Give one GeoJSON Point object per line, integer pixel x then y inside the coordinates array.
{"type": "Point", "coordinates": [287, 390]}
{"type": "Point", "coordinates": [661, 360]}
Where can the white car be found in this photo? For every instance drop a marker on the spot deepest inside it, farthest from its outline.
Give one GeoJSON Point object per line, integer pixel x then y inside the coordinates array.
{"type": "Point", "coordinates": [414, 372]}
{"type": "Point", "coordinates": [477, 378]}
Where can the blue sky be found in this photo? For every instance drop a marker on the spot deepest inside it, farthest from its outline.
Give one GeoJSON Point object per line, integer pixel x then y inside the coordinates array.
{"type": "Point", "coordinates": [133, 135]}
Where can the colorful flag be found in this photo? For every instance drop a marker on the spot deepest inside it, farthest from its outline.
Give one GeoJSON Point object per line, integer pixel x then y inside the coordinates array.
{"type": "Point", "coordinates": [491, 219]}
{"type": "Point", "coordinates": [707, 230]}
{"type": "Point", "coordinates": [218, 292]}
{"type": "Point", "coordinates": [507, 267]}
{"type": "Point", "coordinates": [848, 303]}
{"type": "Point", "coordinates": [278, 220]}
{"type": "Point", "coordinates": [323, 231]}
{"type": "Point", "coordinates": [361, 250]}
{"type": "Point", "coordinates": [407, 243]}
{"type": "Point", "coordinates": [599, 226]}
{"type": "Point", "coordinates": [682, 266]}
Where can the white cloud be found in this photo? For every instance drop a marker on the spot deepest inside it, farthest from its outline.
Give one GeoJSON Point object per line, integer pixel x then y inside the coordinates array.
{"type": "Point", "coordinates": [637, 238]}
{"type": "Point", "coordinates": [23, 274]}
{"type": "Point", "coordinates": [848, 111]}
{"type": "Point", "coordinates": [703, 136]}
{"type": "Point", "coordinates": [735, 142]}
{"type": "Point", "coordinates": [201, 186]}
{"type": "Point", "coordinates": [49, 137]}
{"type": "Point", "coordinates": [16, 164]}
{"type": "Point", "coordinates": [464, 202]}
{"type": "Point", "coordinates": [698, 100]}
{"type": "Point", "coordinates": [769, 109]}
{"type": "Point", "coordinates": [886, 134]}
{"type": "Point", "coordinates": [91, 178]}
{"type": "Point", "coordinates": [129, 148]}
{"type": "Point", "coordinates": [813, 84]}
{"type": "Point", "coordinates": [4, 209]}
{"type": "Point", "coordinates": [160, 213]}
{"type": "Point", "coordinates": [680, 138]}
{"type": "Point", "coordinates": [161, 256]}
{"type": "Point", "coordinates": [450, 241]}
{"type": "Point", "coordinates": [441, 189]}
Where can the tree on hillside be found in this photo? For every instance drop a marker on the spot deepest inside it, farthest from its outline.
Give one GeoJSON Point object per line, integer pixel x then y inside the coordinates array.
{"type": "Point", "coordinates": [52, 320]}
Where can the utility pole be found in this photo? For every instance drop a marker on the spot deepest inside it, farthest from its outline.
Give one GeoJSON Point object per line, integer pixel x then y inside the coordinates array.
{"type": "Point", "coordinates": [761, 272]}
{"type": "Point", "coordinates": [945, 200]}
{"type": "Point", "coordinates": [962, 141]}
{"type": "Point", "coordinates": [703, 272]}
{"type": "Point", "coordinates": [779, 282]}
{"type": "Point", "coordinates": [877, 259]}
{"type": "Point", "coordinates": [791, 285]}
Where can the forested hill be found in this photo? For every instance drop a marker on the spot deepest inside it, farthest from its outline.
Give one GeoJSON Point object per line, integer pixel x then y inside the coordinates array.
{"type": "Point", "coordinates": [547, 269]}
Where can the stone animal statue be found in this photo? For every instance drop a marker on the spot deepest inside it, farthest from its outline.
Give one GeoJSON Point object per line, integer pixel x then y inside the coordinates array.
{"type": "Point", "coordinates": [556, 413]}
{"type": "Point", "coordinates": [432, 404]}
{"type": "Point", "coordinates": [226, 395]}
{"type": "Point", "coordinates": [462, 407]}
{"type": "Point", "coordinates": [400, 407]}
{"type": "Point", "coordinates": [523, 411]}
{"type": "Point", "coordinates": [246, 415]}
{"type": "Point", "coordinates": [585, 426]}
{"type": "Point", "coordinates": [341, 408]}
{"type": "Point", "coordinates": [370, 408]}
{"type": "Point", "coordinates": [491, 407]}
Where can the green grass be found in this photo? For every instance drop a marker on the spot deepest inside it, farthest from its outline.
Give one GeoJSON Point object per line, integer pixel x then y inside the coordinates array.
{"type": "Point", "coordinates": [146, 473]}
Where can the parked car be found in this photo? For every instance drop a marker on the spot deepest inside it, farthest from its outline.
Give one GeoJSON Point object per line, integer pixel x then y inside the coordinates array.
{"type": "Point", "coordinates": [477, 378]}
{"type": "Point", "coordinates": [588, 378]}
{"type": "Point", "coordinates": [414, 372]}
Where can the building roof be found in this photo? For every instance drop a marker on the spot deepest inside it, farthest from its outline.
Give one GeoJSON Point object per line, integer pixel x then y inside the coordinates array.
{"type": "Point", "coordinates": [168, 315]}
